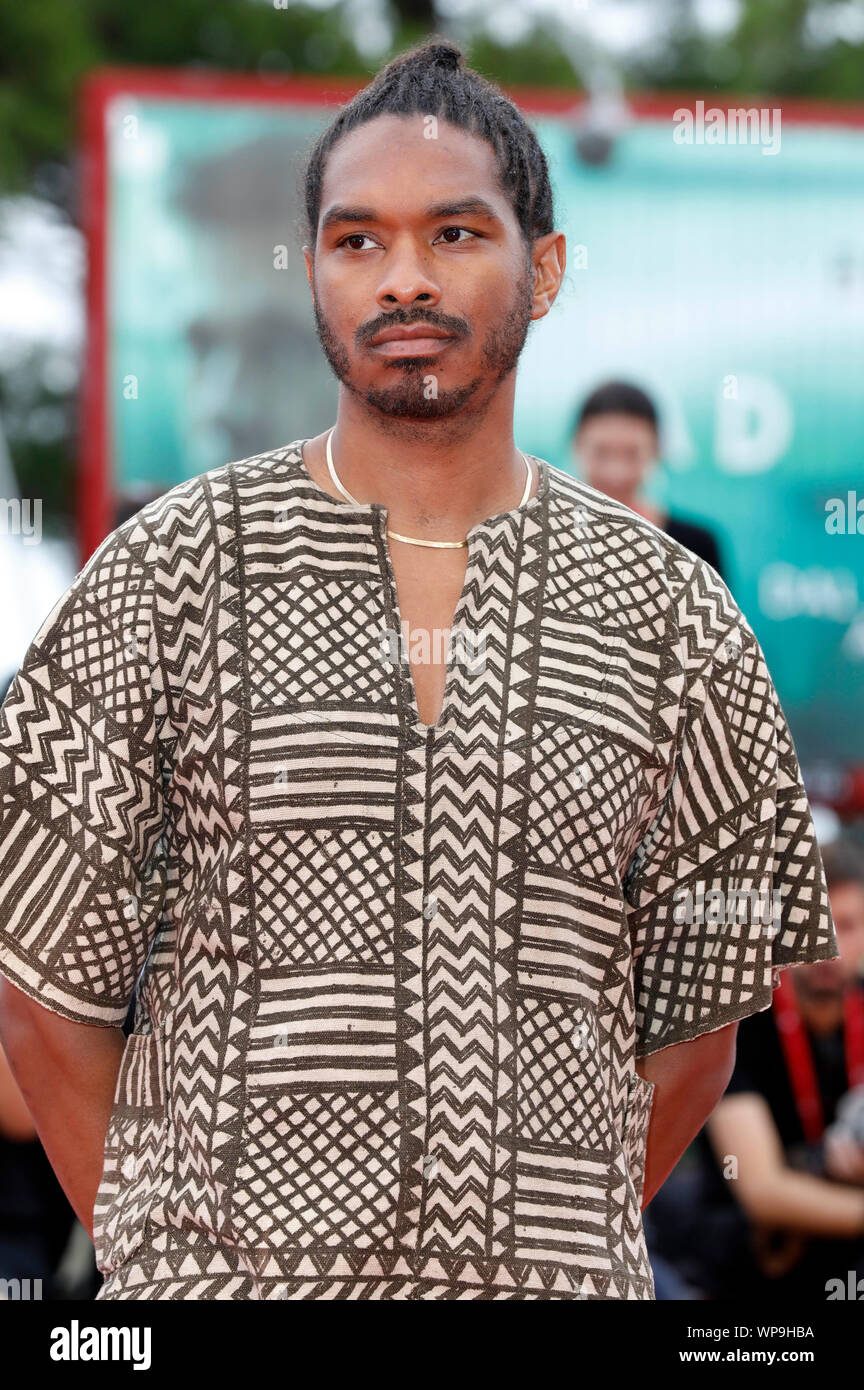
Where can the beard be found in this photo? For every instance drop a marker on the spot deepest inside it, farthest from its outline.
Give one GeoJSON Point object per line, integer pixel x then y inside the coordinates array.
{"type": "Point", "coordinates": [409, 396]}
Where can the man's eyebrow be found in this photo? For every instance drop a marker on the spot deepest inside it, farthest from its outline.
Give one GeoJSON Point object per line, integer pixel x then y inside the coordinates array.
{"type": "Point", "coordinates": [472, 206]}
{"type": "Point", "coordinates": [340, 213]}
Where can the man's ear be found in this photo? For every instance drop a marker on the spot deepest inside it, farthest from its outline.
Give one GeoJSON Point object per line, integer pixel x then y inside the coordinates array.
{"type": "Point", "coordinates": [309, 258]}
{"type": "Point", "coordinates": [549, 255]}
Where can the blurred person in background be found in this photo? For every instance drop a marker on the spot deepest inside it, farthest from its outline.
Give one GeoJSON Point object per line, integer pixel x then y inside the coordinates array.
{"type": "Point", "coordinates": [775, 1206]}
{"type": "Point", "coordinates": [616, 441]}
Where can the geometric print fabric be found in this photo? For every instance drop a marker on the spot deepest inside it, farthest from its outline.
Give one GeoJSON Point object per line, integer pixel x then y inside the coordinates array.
{"type": "Point", "coordinates": [392, 979]}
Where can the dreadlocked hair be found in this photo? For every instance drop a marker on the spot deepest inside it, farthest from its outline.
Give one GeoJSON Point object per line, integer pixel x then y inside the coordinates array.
{"type": "Point", "coordinates": [431, 80]}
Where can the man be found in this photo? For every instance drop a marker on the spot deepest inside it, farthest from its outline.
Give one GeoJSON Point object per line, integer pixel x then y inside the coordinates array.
{"type": "Point", "coordinates": [404, 923]}
{"type": "Point", "coordinates": [616, 441]}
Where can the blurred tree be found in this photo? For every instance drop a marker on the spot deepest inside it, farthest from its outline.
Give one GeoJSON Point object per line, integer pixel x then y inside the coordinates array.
{"type": "Point", "coordinates": [415, 14]}
{"type": "Point", "coordinates": [791, 48]}
{"type": "Point", "coordinates": [46, 49]}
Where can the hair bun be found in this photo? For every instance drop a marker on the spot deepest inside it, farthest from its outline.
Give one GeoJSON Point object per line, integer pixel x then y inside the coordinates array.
{"type": "Point", "coordinates": [443, 55]}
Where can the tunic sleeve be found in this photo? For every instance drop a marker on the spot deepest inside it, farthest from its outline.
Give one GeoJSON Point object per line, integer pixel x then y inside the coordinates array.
{"type": "Point", "coordinates": [726, 886]}
{"type": "Point", "coordinates": [81, 868]}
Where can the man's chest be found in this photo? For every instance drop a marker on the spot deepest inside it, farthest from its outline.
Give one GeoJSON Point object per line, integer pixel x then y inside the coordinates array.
{"type": "Point", "coordinates": [423, 919]}
{"type": "Point", "coordinates": [348, 681]}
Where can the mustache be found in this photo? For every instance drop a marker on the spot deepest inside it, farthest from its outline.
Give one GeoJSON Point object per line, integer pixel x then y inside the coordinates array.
{"type": "Point", "coordinates": [457, 327]}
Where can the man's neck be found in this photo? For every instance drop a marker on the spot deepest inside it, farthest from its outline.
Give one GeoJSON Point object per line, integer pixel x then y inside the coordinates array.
{"type": "Point", "coordinates": [436, 478]}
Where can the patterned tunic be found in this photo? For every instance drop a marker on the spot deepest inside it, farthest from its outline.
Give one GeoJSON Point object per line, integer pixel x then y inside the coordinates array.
{"type": "Point", "coordinates": [393, 979]}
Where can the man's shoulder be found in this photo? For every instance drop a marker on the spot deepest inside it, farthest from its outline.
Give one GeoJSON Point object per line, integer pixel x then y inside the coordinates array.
{"type": "Point", "coordinates": [637, 549]}
{"type": "Point", "coordinates": [185, 516]}
{"type": "Point", "coordinates": [190, 496]}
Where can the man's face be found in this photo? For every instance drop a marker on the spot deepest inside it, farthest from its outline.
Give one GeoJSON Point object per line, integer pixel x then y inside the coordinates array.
{"type": "Point", "coordinates": [830, 977]}
{"type": "Point", "coordinates": [408, 254]}
{"type": "Point", "coordinates": [616, 453]}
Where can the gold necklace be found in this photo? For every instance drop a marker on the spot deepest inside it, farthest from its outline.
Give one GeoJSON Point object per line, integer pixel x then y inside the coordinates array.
{"type": "Point", "coordinates": [411, 540]}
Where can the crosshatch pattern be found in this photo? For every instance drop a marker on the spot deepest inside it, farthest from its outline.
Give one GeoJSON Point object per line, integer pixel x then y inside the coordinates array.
{"type": "Point", "coordinates": [394, 979]}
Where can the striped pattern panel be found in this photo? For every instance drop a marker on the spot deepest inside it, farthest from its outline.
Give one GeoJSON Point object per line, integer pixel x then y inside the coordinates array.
{"type": "Point", "coordinates": [561, 1205]}
{"type": "Point", "coordinates": [141, 1079]}
{"type": "Point", "coordinates": [322, 1028]}
{"type": "Point", "coordinates": [322, 765]}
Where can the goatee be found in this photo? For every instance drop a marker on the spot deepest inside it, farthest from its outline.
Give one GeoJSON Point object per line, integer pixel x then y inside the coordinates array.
{"type": "Point", "coordinates": [416, 392]}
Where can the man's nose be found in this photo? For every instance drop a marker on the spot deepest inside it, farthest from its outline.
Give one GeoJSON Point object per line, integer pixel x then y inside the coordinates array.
{"type": "Point", "coordinates": [407, 277]}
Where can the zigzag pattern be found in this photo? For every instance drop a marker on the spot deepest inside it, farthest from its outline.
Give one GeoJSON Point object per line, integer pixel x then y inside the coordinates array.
{"type": "Point", "coordinates": [395, 978]}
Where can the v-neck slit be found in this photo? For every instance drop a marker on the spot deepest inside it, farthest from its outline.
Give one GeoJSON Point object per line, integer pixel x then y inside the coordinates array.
{"type": "Point", "coordinates": [406, 674]}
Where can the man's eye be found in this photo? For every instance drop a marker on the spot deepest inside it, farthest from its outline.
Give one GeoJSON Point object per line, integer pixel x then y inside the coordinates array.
{"type": "Point", "coordinates": [467, 230]}
{"type": "Point", "coordinates": [355, 236]}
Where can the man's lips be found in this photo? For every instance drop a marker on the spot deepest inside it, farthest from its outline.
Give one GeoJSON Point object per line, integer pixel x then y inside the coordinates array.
{"type": "Point", "coordinates": [412, 347]}
{"type": "Point", "coordinates": [413, 340]}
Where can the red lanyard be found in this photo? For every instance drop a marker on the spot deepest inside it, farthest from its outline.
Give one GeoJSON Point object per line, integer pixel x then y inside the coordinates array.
{"type": "Point", "coordinates": [799, 1053]}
